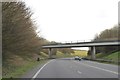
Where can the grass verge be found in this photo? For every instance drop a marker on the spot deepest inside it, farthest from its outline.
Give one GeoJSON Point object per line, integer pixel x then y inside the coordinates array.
{"type": "Point", "coordinates": [21, 70]}
{"type": "Point", "coordinates": [114, 57]}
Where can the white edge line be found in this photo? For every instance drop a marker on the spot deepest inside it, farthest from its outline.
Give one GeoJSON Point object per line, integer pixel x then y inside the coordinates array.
{"type": "Point", "coordinates": [99, 68]}
{"type": "Point", "coordinates": [40, 70]}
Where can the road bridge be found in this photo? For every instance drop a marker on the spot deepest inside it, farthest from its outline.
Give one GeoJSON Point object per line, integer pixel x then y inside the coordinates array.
{"type": "Point", "coordinates": [91, 44]}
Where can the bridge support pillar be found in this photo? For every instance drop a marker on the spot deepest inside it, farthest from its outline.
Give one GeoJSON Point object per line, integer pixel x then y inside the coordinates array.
{"type": "Point", "coordinates": [93, 51]}
{"type": "Point", "coordinates": [50, 52]}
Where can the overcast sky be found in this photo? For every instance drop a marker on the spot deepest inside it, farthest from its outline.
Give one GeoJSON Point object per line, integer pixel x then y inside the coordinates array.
{"type": "Point", "coordinates": [69, 20]}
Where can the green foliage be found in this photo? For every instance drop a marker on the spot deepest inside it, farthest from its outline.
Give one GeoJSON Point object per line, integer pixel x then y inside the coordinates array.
{"type": "Point", "coordinates": [80, 53]}
{"type": "Point", "coordinates": [59, 54]}
{"type": "Point", "coordinates": [101, 55]}
{"type": "Point", "coordinates": [113, 56]}
{"type": "Point", "coordinates": [66, 50]}
{"type": "Point", "coordinates": [17, 71]}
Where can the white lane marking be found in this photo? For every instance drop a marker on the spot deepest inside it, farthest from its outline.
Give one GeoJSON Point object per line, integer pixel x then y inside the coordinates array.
{"type": "Point", "coordinates": [40, 70]}
{"type": "Point", "coordinates": [79, 72]}
{"type": "Point", "coordinates": [99, 68]}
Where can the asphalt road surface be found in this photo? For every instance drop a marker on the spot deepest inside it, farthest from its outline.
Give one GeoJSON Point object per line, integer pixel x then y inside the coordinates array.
{"type": "Point", "coordinates": [67, 68]}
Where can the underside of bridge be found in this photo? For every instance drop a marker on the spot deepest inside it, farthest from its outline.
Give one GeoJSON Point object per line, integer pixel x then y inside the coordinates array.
{"type": "Point", "coordinates": [93, 52]}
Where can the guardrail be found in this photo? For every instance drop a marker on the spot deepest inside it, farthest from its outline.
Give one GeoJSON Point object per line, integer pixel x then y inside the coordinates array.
{"type": "Point", "coordinates": [104, 60]}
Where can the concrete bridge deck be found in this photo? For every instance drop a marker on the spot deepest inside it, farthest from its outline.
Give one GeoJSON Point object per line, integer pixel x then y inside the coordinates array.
{"type": "Point", "coordinates": [83, 44]}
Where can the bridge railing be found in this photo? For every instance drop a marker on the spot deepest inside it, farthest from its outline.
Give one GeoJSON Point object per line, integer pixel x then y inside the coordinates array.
{"type": "Point", "coordinates": [76, 41]}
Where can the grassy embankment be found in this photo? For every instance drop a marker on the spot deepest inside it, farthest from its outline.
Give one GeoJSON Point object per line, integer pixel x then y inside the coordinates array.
{"type": "Point", "coordinates": [115, 57]}
{"type": "Point", "coordinates": [18, 66]}
{"type": "Point", "coordinates": [80, 53]}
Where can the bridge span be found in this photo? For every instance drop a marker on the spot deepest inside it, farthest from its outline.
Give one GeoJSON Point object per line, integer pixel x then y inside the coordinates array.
{"type": "Point", "coordinates": [91, 44]}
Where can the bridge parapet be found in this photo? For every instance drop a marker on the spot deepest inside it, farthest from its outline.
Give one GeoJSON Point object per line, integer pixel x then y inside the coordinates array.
{"type": "Point", "coordinates": [76, 41]}
{"type": "Point", "coordinates": [83, 42]}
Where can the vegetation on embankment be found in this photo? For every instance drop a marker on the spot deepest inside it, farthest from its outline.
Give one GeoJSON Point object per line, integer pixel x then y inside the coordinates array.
{"type": "Point", "coordinates": [17, 69]}
{"type": "Point", "coordinates": [15, 66]}
{"type": "Point", "coordinates": [110, 58]}
{"type": "Point", "coordinates": [80, 53]}
{"type": "Point", "coordinates": [115, 56]}
{"type": "Point", "coordinates": [62, 55]}
{"type": "Point", "coordinates": [21, 44]}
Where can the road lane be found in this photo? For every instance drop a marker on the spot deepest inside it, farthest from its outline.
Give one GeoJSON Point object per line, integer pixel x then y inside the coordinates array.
{"type": "Point", "coordinates": [59, 69]}
{"type": "Point", "coordinates": [102, 65]}
{"type": "Point", "coordinates": [40, 69]}
{"type": "Point", "coordinates": [91, 71]}
{"type": "Point", "coordinates": [65, 68]}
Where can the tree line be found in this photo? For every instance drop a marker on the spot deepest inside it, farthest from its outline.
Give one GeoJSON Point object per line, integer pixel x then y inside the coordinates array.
{"type": "Point", "coordinates": [108, 34]}
{"type": "Point", "coordinates": [19, 35]}
{"type": "Point", "coordinates": [19, 32]}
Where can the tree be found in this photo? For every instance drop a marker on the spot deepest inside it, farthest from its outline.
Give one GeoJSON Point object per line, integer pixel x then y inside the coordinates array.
{"type": "Point", "coordinates": [19, 30]}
